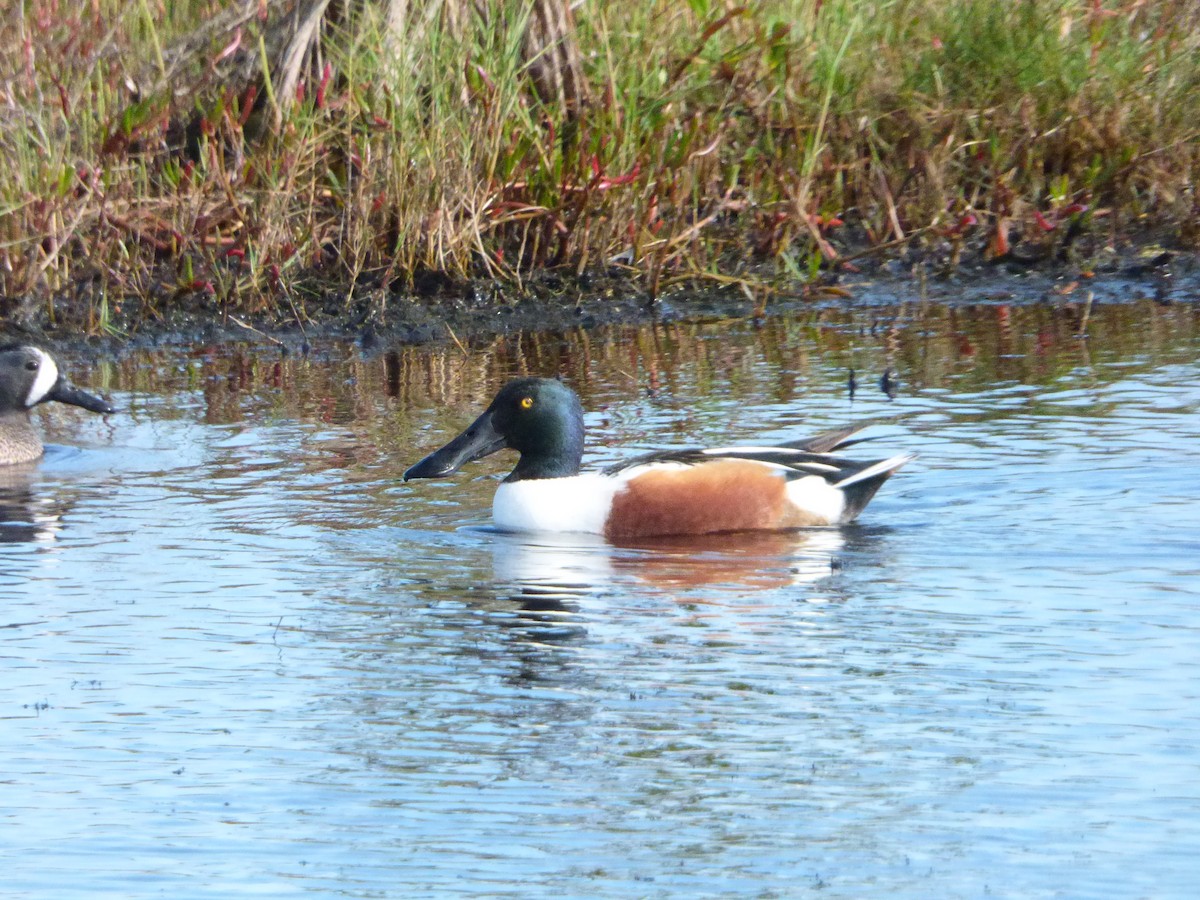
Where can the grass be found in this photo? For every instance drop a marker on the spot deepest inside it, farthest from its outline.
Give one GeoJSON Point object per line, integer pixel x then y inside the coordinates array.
{"type": "Point", "coordinates": [719, 142]}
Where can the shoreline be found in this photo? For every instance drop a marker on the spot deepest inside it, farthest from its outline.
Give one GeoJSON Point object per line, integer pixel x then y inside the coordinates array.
{"type": "Point", "coordinates": [549, 301]}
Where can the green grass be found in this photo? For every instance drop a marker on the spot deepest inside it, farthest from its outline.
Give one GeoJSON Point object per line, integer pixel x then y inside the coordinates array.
{"type": "Point", "coordinates": [718, 141]}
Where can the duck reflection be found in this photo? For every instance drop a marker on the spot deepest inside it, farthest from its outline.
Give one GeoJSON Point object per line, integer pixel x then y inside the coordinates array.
{"type": "Point", "coordinates": [561, 572]}
{"type": "Point", "coordinates": [549, 578]}
{"type": "Point", "coordinates": [26, 516]}
{"type": "Point", "coordinates": [748, 560]}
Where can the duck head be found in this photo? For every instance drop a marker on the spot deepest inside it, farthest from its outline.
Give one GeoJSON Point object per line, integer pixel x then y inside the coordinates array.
{"type": "Point", "coordinates": [540, 418]}
{"type": "Point", "coordinates": [28, 376]}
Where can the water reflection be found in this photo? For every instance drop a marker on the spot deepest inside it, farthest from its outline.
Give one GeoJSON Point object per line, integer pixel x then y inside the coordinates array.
{"type": "Point", "coordinates": [569, 566]}
{"type": "Point", "coordinates": [551, 586]}
{"type": "Point", "coordinates": [748, 561]}
{"type": "Point", "coordinates": [686, 370]}
{"type": "Point", "coordinates": [36, 498]}
{"type": "Point", "coordinates": [25, 514]}
{"type": "Point", "coordinates": [552, 567]}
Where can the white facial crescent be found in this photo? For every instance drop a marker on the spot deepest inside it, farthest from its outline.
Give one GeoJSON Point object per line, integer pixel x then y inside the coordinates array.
{"type": "Point", "coordinates": [47, 377]}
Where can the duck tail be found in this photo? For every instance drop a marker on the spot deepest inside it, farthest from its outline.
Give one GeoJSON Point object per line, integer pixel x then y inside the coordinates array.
{"type": "Point", "coordinates": [829, 441]}
{"type": "Point", "coordinates": [860, 487]}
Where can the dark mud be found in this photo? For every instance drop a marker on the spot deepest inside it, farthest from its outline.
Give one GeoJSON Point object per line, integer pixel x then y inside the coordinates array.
{"type": "Point", "coordinates": [438, 310]}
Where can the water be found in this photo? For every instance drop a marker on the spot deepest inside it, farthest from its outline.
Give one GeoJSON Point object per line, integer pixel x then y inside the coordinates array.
{"type": "Point", "coordinates": [238, 657]}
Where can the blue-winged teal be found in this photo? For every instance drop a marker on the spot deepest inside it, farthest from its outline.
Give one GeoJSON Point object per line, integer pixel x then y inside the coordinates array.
{"type": "Point", "coordinates": [28, 376]}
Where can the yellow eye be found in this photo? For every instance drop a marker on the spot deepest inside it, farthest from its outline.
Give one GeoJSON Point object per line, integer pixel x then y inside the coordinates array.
{"type": "Point", "coordinates": [526, 403]}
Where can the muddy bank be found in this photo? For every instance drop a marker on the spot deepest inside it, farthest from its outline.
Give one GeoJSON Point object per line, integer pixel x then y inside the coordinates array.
{"type": "Point", "coordinates": [440, 311]}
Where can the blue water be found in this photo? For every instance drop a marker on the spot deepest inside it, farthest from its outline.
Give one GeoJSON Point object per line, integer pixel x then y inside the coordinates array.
{"type": "Point", "coordinates": [238, 657]}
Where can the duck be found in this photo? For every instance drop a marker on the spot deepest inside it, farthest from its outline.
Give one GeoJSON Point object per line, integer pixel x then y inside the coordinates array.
{"type": "Point", "coordinates": [664, 493]}
{"type": "Point", "coordinates": [29, 376]}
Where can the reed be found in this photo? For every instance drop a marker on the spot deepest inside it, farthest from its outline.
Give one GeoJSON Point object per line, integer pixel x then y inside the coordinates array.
{"type": "Point", "coordinates": [719, 142]}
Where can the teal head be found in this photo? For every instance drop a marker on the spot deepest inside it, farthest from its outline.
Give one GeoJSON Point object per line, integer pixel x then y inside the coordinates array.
{"type": "Point", "coordinates": [28, 376]}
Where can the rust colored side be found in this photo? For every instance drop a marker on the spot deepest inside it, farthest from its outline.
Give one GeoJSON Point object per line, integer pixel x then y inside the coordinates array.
{"type": "Point", "coordinates": [723, 495]}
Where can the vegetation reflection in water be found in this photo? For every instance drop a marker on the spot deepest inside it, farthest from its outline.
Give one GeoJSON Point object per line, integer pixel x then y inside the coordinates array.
{"type": "Point", "coordinates": [683, 366]}
{"type": "Point", "coordinates": [235, 631]}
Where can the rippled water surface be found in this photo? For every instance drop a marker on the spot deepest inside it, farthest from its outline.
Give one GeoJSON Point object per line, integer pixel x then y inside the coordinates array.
{"type": "Point", "coordinates": [238, 657]}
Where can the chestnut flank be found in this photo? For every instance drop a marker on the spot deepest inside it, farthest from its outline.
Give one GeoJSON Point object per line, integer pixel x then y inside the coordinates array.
{"type": "Point", "coordinates": [723, 495]}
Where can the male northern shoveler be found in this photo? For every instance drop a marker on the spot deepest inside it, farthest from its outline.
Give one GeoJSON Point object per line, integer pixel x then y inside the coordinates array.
{"type": "Point", "coordinates": [28, 376]}
{"type": "Point", "coordinates": [668, 492]}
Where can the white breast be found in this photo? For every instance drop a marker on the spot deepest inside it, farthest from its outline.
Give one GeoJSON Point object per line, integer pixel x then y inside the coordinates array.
{"type": "Point", "coordinates": [579, 503]}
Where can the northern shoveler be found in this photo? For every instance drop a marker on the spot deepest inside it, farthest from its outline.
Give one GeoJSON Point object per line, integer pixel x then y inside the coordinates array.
{"type": "Point", "coordinates": [668, 492]}
{"type": "Point", "coordinates": [28, 376]}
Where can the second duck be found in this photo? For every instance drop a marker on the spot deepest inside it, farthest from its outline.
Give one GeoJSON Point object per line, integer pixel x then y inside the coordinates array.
{"type": "Point", "coordinates": [28, 376]}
